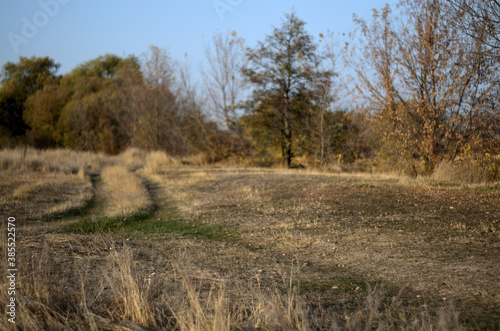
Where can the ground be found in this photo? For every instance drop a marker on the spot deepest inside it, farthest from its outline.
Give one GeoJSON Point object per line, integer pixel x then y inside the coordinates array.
{"type": "Point", "coordinates": [263, 248]}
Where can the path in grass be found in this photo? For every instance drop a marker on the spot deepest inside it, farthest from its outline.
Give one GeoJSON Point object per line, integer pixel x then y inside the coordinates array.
{"type": "Point", "coordinates": [122, 198]}
{"type": "Point", "coordinates": [334, 236]}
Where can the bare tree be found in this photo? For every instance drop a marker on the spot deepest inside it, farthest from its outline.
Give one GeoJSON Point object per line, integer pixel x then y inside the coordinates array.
{"type": "Point", "coordinates": [201, 134]}
{"type": "Point", "coordinates": [431, 83]}
{"type": "Point", "coordinates": [322, 94]}
{"type": "Point", "coordinates": [153, 104]}
{"type": "Point", "coordinates": [223, 81]}
{"type": "Point", "coordinates": [480, 19]}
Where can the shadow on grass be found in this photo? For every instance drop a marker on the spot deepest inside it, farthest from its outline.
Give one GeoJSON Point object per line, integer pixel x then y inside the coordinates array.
{"type": "Point", "coordinates": [77, 211]}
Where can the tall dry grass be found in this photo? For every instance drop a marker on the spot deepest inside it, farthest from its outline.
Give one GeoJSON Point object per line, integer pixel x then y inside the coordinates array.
{"type": "Point", "coordinates": [133, 158]}
{"type": "Point", "coordinates": [468, 171]}
{"type": "Point", "coordinates": [114, 293]}
{"type": "Point", "coordinates": [157, 161]}
{"type": "Point", "coordinates": [71, 162]}
{"type": "Point", "coordinates": [58, 160]}
{"type": "Point", "coordinates": [125, 193]}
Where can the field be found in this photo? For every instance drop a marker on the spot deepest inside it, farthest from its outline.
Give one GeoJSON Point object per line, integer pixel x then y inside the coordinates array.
{"type": "Point", "coordinates": [141, 241]}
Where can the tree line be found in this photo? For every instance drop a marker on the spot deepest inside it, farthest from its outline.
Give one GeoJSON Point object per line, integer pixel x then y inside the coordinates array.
{"type": "Point", "coordinates": [426, 87]}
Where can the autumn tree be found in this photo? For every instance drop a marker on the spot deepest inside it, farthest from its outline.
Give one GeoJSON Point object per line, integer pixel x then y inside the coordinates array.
{"type": "Point", "coordinates": [480, 19]}
{"type": "Point", "coordinates": [430, 83]}
{"type": "Point", "coordinates": [93, 116]}
{"type": "Point", "coordinates": [277, 72]}
{"type": "Point", "coordinates": [19, 81]}
{"type": "Point", "coordinates": [42, 114]}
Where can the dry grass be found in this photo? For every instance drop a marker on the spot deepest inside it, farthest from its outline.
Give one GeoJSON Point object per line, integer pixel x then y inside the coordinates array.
{"type": "Point", "coordinates": [158, 161]}
{"type": "Point", "coordinates": [103, 287]}
{"type": "Point", "coordinates": [258, 249]}
{"type": "Point", "coordinates": [200, 159]}
{"type": "Point", "coordinates": [380, 226]}
{"type": "Point", "coordinates": [59, 161]}
{"type": "Point", "coordinates": [468, 171]}
{"type": "Point", "coordinates": [96, 290]}
{"type": "Point", "coordinates": [124, 191]}
{"type": "Point", "coordinates": [133, 158]}
{"type": "Point", "coordinates": [36, 195]}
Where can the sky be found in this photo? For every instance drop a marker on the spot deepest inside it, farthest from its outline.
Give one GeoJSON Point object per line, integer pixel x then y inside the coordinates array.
{"type": "Point", "coordinates": [75, 31]}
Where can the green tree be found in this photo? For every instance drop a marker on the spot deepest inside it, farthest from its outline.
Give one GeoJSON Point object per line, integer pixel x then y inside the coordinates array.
{"type": "Point", "coordinates": [42, 113]}
{"type": "Point", "coordinates": [19, 81]}
{"type": "Point", "coordinates": [280, 79]}
{"type": "Point", "coordinates": [95, 114]}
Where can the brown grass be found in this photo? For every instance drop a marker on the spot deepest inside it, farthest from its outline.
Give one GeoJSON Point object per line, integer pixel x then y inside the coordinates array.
{"type": "Point", "coordinates": [200, 159]}
{"type": "Point", "coordinates": [133, 158]}
{"type": "Point", "coordinates": [36, 196]}
{"type": "Point", "coordinates": [468, 171]}
{"type": "Point", "coordinates": [102, 288]}
{"type": "Point", "coordinates": [59, 161]}
{"type": "Point", "coordinates": [159, 161]}
{"type": "Point", "coordinates": [124, 191]}
{"type": "Point", "coordinates": [258, 249]}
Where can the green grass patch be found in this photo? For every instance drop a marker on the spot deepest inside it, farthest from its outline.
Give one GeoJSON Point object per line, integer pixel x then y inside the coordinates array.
{"type": "Point", "coordinates": [179, 226]}
{"type": "Point", "coordinates": [141, 224]}
{"type": "Point", "coordinates": [106, 224]}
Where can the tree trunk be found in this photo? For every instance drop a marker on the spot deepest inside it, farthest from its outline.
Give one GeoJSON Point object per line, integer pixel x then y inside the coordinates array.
{"type": "Point", "coordinates": [287, 156]}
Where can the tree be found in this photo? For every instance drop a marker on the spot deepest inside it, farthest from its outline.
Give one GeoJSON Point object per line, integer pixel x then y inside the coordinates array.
{"type": "Point", "coordinates": [225, 88]}
{"type": "Point", "coordinates": [19, 81]}
{"type": "Point", "coordinates": [201, 135]}
{"type": "Point", "coordinates": [94, 115]}
{"type": "Point", "coordinates": [432, 85]}
{"type": "Point", "coordinates": [280, 82]}
{"type": "Point", "coordinates": [480, 19]}
{"type": "Point", "coordinates": [42, 113]}
{"type": "Point", "coordinates": [322, 123]}
{"type": "Point", "coordinates": [153, 105]}
{"type": "Point", "coordinates": [222, 80]}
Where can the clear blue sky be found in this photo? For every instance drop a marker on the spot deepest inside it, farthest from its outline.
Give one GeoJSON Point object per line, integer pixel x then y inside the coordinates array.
{"type": "Point", "coordinates": [74, 31]}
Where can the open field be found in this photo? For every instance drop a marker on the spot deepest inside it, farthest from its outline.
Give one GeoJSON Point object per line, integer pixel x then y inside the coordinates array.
{"type": "Point", "coordinates": [140, 242]}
